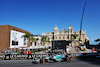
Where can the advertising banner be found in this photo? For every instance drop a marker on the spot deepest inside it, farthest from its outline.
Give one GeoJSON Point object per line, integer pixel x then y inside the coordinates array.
{"type": "Point", "coordinates": [16, 39]}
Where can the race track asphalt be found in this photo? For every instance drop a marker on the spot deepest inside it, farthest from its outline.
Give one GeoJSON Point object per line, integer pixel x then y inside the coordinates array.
{"type": "Point", "coordinates": [74, 63]}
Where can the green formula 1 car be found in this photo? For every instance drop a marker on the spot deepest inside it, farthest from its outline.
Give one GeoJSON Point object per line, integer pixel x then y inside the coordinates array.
{"type": "Point", "coordinates": [55, 58]}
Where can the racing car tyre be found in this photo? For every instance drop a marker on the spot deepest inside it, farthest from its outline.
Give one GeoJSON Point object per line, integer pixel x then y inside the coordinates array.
{"type": "Point", "coordinates": [43, 60]}
{"type": "Point", "coordinates": [68, 59]}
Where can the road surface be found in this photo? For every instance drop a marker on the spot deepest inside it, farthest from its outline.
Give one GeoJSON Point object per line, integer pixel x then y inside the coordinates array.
{"type": "Point", "coordinates": [74, 63]}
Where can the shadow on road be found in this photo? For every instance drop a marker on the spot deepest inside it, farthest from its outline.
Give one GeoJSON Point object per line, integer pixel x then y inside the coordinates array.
{"type": "Point", "coordinates": [91, 60]}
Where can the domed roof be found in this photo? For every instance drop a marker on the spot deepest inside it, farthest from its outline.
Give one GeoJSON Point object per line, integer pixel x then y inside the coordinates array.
{"type": "Point", "coordinates": [70, 27]}
{"type": "Point", "coordinates": [56, 28]}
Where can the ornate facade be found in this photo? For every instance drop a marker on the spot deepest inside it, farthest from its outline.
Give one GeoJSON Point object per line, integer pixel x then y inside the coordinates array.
{"type": "Point", "coordinates": [37, 43]}
{"type": "Point", "coordinates": [66, 35]}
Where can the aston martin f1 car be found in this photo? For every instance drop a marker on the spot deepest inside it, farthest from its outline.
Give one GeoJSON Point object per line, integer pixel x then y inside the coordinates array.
{"type": "Point", "coordinates": [55, 58]}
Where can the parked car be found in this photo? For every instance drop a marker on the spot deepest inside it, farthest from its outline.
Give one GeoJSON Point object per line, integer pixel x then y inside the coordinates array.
{"type": "Point", "coordinates": [83, 47]}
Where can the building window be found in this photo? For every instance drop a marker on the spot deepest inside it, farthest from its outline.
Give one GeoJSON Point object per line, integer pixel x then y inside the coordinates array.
{"type": "Point", "coordinates": [35, 43]}
{"type": "Point", "coordinates": [63, 37]}
{"type": "Point", "coordinates": [59, 37]}
{"type": "Point", "coordinates": [67, 37]}
{"type": "Point", "coordinates": [56, 37]}
{"type": "Point", "coordinates": [41, 44]}
{"type": "Point", "coordinates": [31, 44]}
{"type": "Point", "coordinates": [25, 40]}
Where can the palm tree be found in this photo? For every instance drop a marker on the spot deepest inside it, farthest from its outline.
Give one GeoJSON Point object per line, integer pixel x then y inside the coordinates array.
{"type": "Point", "coordinates": [45, 39]}
{"type": "Point", "coordinates": [97, 40]}
{"type": "Point", "coordinates": [33, 39]}
{"type": "Point", "coordinates": [28, 36]}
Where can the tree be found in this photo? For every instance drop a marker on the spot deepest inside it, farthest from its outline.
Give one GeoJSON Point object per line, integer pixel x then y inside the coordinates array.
{"type": "Point", "coordinates": [29, 37]}
{"type": "Point", "coordinates": [74, 36]}
{"type": "Point", "coordinates": [45, 39]}
{"type": "Point", "coordinates": [97, 40]}
{"type": "Point", "coordinates": [33, 39]}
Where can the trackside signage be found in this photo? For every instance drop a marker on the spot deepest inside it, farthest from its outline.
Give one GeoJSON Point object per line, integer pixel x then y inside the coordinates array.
{"type": "Point", "coordinates": [2, 56]}
{"type": "Point", "coordinates": [30, 56]}
{"type": "Point", "coordinates": [24, 56]}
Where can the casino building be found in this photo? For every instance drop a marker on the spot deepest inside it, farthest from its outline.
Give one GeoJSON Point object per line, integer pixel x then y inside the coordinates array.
{"type": "Point", "coordinates": [65, 35]}
{"type": "Point", "coordinates": [11, 37]}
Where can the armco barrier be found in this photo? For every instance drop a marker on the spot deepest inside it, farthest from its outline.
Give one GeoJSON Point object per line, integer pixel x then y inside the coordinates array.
{"type": "Point", "coordinates": [32, 56]}
{"type": "Point", "coordinates": [83, 55]}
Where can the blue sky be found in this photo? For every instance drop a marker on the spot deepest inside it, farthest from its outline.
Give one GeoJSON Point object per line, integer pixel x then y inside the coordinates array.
{"type": "Point", "coordinates": [38, 16]}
